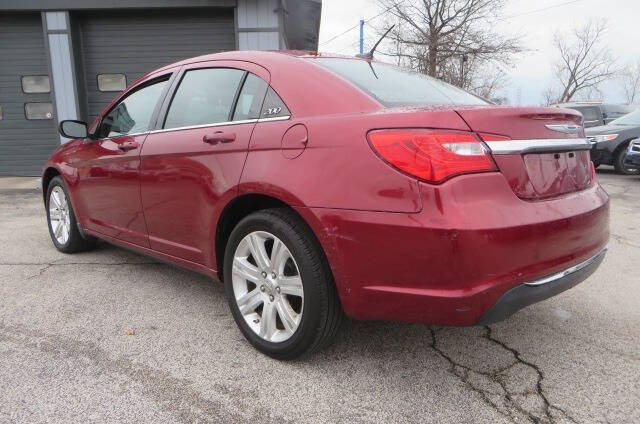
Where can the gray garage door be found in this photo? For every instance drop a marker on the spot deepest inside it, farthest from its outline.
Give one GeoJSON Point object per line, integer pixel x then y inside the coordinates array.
{"type": "Point", "coordinates": [25, 92]}
{"type": "Point", "coordinates": [133, 43]}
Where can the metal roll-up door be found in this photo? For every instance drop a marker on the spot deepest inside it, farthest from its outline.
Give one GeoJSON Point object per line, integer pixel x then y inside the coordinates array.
{"type": "Point", "coordinates": [132, 43]}
{"type": "Point", "coordinates": [24, 143]}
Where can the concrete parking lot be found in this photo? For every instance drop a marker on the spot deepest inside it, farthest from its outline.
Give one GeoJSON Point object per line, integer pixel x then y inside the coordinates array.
{"type": "Point", "coordinates": [112, 336]}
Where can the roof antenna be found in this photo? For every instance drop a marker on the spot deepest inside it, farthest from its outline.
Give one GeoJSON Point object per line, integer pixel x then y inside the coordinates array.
{"type": "Point", "coordinates": [369, 55]}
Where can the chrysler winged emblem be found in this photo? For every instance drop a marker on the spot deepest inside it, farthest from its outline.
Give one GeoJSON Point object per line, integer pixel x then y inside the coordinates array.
{"type": "Point", "coordinates": [565, 128]}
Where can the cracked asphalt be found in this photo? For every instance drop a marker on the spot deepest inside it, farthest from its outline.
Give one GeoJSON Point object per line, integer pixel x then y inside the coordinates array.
{"type": "Point", "coordinates": [112, 336]}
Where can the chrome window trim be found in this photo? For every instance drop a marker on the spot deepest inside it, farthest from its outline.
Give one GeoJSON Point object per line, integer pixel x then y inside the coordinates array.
{"type": "Point", "coordinates": [568, 271]}
{"type": "Point", "coordinates": [222, 124]}
{"type": "Point", "coordinates": [275, 118]}
{"type": "Point", "coordinates": [216, 124]}
{"type": "Point", "coordinates": [509, 147]}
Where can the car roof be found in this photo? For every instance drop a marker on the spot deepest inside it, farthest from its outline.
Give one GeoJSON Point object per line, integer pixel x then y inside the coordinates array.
{"type": "Point", "coordinates": [261, 57]}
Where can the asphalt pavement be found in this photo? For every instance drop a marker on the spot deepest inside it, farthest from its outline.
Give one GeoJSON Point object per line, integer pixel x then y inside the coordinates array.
{"type": "Point", "coordinates": [113, 336]}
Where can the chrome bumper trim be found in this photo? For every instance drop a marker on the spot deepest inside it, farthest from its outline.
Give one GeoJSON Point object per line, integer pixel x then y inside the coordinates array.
{"type": "Point", "coordinates": [510, 147]}
{"type": "Point", "coordinates": [568, 271]}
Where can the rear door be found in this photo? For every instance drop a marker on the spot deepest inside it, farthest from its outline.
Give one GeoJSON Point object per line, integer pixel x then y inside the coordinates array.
{"type": "Point", "coordinates": [192, 163]}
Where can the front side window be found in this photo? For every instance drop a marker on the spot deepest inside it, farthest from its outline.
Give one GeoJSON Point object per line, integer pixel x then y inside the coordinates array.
{"type": "Point", "coordinates": [250, 99]}
{"type": "Point", "coordinates": [36, 84]}
{"type": "Point", "coordinates": [132, 114]}
{"type": "Point", "coordinates": [393, 86]}
{"type": "Point", "coordinates": [204, 96]}
{"type": "Point", "coordinates": [273, 106]}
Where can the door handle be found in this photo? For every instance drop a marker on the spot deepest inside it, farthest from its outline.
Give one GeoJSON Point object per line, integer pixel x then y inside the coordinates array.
{"type": "Point", "coordinates": [128, 145]}
{"type": "Point", "coordinates": [219, 137]}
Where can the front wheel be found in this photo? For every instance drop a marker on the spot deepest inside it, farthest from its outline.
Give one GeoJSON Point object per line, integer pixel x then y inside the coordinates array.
{"type": "Point", "coordinates": [279, 285]}
{"type": "Point", "coordinates": [63, 226]}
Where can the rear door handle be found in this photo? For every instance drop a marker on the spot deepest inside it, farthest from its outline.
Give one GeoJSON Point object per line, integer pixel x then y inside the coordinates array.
{"type": "Point", "coordinates": [219, 137]}
{"type": "Point", "coordinates": [128, 145]}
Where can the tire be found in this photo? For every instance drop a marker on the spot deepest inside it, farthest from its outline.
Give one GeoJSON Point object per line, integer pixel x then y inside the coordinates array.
{"type": "Point", "coordinates": [618, 162]}
{"type": "Point", "coordinates": [74, 241]}
{"type": "Point", "coordinates": [315, 309]}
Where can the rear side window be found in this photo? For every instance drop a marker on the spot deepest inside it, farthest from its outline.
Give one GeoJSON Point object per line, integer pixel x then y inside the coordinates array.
{"type": "Point", "coordinates": [273, 106]}
{"type": "Point", "coordinates": [133, 113]}
{"type": "Point", "coordinates": [204, 96]}
{"type": "Point", "coordinates": [250, 98]}
{"type": "Point", "coordinates": [393, 86]}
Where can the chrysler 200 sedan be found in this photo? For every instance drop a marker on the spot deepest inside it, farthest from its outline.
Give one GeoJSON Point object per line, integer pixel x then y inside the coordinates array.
{"type": "Point", "coordinates": [317, 186]}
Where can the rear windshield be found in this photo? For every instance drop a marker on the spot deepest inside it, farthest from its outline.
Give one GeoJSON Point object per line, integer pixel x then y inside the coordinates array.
{"type": "Point", "coordinates": [393, 86]}
{"type": "Point", "coordinates": [632, 118]}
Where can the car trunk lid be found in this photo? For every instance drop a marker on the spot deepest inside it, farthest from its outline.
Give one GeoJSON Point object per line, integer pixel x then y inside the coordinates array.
{"type": "Point", "coordinates": [541, 152]}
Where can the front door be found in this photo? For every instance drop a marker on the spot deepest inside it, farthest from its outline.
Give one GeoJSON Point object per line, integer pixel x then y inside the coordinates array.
{"type": "Point", "coordinates": [109, 165]}
{"type": "Point", "coordinates": [192, 164]}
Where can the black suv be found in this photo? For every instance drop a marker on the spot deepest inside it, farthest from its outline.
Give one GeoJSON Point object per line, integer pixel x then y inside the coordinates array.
{"type": "Point", "coordinates": [597, 114]}
{"type": "Point", "coordinates": [610, 142]}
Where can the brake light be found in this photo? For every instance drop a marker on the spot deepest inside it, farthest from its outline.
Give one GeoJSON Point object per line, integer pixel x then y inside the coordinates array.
{"type": "Point", "coordinates": [431, 155]}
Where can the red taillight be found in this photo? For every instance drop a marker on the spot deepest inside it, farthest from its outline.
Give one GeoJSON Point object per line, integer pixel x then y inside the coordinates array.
{"type": "Point", "coordinates": [431, 155]}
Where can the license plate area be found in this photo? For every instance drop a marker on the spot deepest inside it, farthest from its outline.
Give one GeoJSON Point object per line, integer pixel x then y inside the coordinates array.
{"type": "Point", "coordinates": [554, 174]}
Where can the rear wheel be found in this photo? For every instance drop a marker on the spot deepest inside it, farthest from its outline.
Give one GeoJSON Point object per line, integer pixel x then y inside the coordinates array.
{"type": "Point", "coordinates": [618, 163]}
{"type": "Point", "coordinates": [63, 226]}
{"type": "Point", "coordinates": [279, 285]}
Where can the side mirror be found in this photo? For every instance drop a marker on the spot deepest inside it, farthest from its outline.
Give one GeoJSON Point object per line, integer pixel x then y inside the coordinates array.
{"type": "Point", "coordinates": [73, 129]}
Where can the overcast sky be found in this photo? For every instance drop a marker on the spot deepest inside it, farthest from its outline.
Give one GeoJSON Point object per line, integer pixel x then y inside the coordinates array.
{"type": "Point", "coordinates": [531, 74]}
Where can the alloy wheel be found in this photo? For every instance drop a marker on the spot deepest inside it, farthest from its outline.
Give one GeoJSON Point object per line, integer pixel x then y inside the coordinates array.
{"type": "Point", "coordinates": [267, 286]}
{"type": "Point", "coordinates": [59, 215]}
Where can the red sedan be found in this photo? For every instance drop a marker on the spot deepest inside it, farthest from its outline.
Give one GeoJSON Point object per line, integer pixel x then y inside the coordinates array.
{"type": "Point", "coordinates": [316, 186]}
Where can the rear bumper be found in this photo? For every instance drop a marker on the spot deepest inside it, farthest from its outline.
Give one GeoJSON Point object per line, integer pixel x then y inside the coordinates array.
{"type": "Point", "coordinates": [450, 263]}
{"type": "Point", "coordinates": [535, 291]}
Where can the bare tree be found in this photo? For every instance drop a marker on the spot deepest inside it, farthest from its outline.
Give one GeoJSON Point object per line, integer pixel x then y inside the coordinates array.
{"type": "Point", "coordinates": [630, 82]}
{"type": "Point", "coordinates": [452, 40]}
{"type": "Point", "coordinates": [584, 62]}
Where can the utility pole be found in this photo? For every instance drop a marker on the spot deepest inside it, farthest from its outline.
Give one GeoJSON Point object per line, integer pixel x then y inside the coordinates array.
{"type": "Point", "coordinates": [463, 60]}
{"type": "Point", "coordinates": [361, 36]}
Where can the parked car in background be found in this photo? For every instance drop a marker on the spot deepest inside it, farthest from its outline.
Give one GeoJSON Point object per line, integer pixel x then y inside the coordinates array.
{"type": "Point", "coordinates": [632, 159]}
{"type": "Point", "coordinates": [610, 142]}
{"type": "Point", "coordinates": [374, 191]}
{"type": "Point", "coordinates": [597, 114]}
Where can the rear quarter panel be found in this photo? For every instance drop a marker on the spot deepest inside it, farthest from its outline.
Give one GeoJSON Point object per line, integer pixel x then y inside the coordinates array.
{"type": "Point", "coordinates": [338, 169]}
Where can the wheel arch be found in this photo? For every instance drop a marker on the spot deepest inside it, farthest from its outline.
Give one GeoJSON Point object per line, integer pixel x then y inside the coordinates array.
{"type": "Point", "coordinates": [50, 173]}
{"type": "Point", "coordinates": [237, 209]}
{"type": "Point", "coordinates": [620, 151]}
{"type": "Point", "coordinates": [622, 146]}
